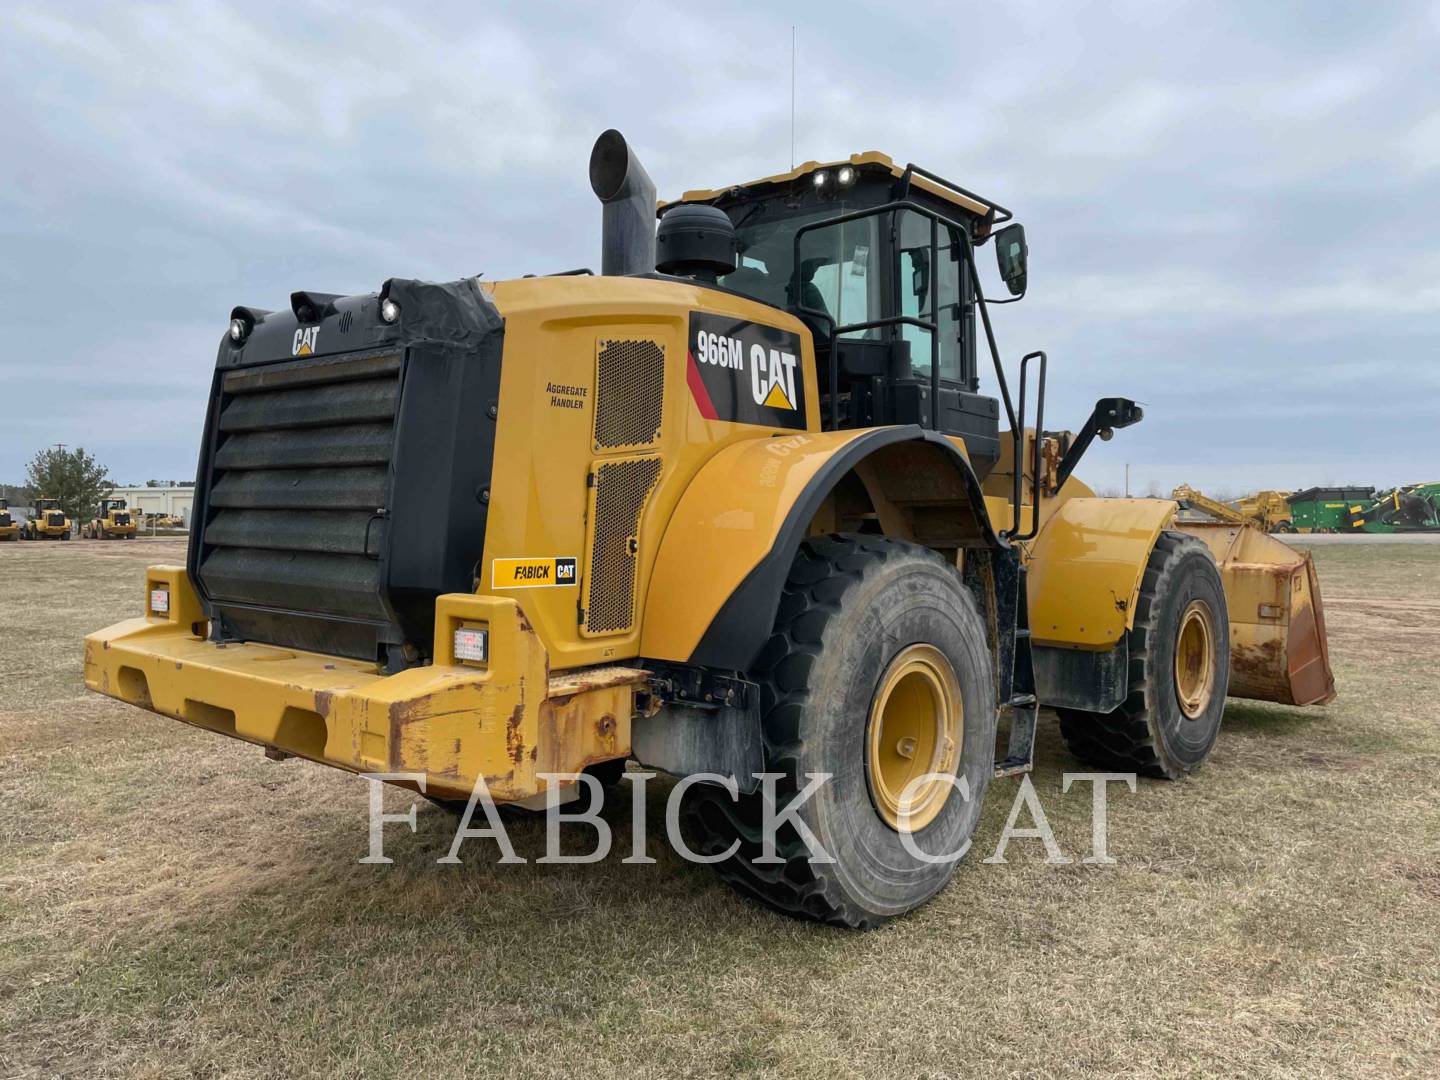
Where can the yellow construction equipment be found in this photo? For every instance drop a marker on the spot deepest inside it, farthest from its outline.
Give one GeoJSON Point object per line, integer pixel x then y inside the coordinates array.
{"type": "Point", "coordinates": [47, 521]}
{"type": "Point", "coordinates": [113, 521]}
{"type": "Point", "coordinates": [9, 527]}
{"type": "Point", "coordinates": [1270, 510]}
{"type": "Point", "coordinates": [736, 506]}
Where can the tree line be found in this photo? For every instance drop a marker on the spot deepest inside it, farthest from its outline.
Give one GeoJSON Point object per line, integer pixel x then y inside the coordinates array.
{"type": "Point", "coordinates": [74, 478]}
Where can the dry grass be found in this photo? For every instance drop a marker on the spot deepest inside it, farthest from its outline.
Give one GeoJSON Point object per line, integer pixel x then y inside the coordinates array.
{"type": "Point", "coordinates": [172, 904]}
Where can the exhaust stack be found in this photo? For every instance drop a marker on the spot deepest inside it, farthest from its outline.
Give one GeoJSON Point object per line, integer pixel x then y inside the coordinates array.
{"type": "Point", "coordinates": [627, 231]}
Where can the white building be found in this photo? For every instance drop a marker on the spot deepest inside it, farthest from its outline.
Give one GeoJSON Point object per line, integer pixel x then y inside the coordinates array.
{"type": "Point", "coordinates": [174, 501]}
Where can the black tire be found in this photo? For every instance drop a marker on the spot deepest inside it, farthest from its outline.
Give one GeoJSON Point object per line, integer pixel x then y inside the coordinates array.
{"type": "Point", "coordinates": [1150, 733]}
{"type": "Point", "coordinates": [850, 605]}
{"type": "Point", "coordinates": [1285, 527]}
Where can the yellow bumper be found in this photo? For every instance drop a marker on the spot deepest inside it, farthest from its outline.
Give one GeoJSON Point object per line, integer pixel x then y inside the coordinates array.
{"type": "Point", "coordinates": [453, 721]}
{"type": "Point", "coordinates": [9, 532]}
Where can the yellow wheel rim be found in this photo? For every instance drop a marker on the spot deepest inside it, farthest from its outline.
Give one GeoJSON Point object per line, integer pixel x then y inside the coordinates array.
{"type": "Point", "coordinates": [914, 729]}
{"type": "Point", "coordinates": [1195, 659]}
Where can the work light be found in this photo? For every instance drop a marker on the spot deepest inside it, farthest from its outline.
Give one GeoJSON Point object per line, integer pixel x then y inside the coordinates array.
{"type": "Point", "coordinates": [846, 176]}
{"type": "Point", "coordinates": [389, 310]}
{"type": "Point", "coordinates": [472, 643]}
{"type": "Point", "coordinates": [160, 601]}
{"type": "Point", "coordinates": [237, 330]}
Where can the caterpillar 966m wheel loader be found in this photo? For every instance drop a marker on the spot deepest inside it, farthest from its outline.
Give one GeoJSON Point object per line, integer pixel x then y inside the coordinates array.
{"type": "Point", "coordinates": [9, 527]}
{"type": "Point", "coordinates": [742, 503]}
{"type": "Point", "coordinates": [114, 521]}
{"type": "Point", "coordinates": [47, 521]}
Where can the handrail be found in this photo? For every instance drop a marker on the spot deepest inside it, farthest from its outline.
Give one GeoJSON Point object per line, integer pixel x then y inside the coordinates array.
{"type": "Point", "coordinates": [996, 209]}
{"type": "Point", "coordinates": [1018, 434]}
{"type": "Point", "coordinates": [935, 221]}
{"type": "Point", "coordinates": [1014, 415]}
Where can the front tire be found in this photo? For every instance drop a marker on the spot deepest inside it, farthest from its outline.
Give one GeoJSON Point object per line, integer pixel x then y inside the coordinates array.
{"type": "Point", "coordinates": [877, 672]}
{"type": "Point", "coordinates": [1179, 671]}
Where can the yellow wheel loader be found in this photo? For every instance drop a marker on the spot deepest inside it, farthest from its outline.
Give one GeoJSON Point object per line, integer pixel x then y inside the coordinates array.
{"type": "Point", "coordinates": [9, 526]}
{"type": "Point", "coordinates": [47, 521]}
{"type": "Point", "coordinates": [113, 521]}
{"type": "Point", "coordinates": [744, 504]}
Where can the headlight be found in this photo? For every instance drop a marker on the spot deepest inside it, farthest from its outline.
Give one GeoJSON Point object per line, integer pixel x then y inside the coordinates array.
{"type": "Point", "coordinates": [237, 330]}
{"type": "Point", "coordinates": [389, 310]}
{"type": "Point", "coordinates": [820, 180]}
{"type": "Point", "coordinates": [845, 176]}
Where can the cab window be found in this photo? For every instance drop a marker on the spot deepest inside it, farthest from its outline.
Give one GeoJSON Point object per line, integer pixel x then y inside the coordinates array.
{"type": "Point", "coordinates": [839, 267]}
{"type": "Point", "coordinates": [915, 294]}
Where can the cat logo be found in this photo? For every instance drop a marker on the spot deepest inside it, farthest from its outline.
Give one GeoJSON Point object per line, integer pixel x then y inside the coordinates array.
{"type": "Point", "coordinates": [772, 377]}
{"type": "Point", "coordinates": [307, 340]}
{"type": "Point", "coordinates": [745, 372]}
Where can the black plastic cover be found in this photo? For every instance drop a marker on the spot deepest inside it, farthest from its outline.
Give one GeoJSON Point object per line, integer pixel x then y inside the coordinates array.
{"type": "Point", "coordinates": [695, 239]}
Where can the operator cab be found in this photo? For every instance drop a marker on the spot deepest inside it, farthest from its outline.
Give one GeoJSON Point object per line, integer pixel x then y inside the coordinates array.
{"type": "Point", "coordinates": [877, 261]}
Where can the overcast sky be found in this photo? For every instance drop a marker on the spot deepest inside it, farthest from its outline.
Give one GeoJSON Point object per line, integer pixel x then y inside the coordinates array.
{"type": "Point", "coordinates": [1232, 208]}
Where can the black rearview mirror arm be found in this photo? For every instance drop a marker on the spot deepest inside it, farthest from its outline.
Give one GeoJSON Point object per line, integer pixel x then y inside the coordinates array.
{"type": "Point", "coordinates": [1109, 413]}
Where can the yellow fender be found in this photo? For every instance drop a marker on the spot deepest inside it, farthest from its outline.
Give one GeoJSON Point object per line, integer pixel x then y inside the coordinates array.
{"type": "Point", "coordinates": [733, 536]}
{"type": "Point", "coordinates": [1086, 567]}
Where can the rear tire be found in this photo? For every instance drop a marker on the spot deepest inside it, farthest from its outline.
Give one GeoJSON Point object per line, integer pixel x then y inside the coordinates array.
{"type": "Point", "coordinates": [866, 624]}
{"type": "Point", "coordinates": [1168, 724]}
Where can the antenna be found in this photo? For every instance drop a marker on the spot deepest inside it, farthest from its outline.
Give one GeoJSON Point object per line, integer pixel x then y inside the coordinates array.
{"type": "Point", "coordinates": [792, 97]}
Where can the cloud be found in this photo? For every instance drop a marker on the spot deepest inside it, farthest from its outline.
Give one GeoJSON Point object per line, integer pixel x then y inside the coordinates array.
{"type": "Point", "coordinates": [1231, 208]}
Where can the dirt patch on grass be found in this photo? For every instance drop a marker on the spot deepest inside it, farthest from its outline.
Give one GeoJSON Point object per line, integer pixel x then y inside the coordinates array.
{"type": "Point", "coordinates": [173, 904]}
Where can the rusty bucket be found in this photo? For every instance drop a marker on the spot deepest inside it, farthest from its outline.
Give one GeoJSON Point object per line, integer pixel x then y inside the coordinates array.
{"type": "Point", "coordinates": [1278, 650]}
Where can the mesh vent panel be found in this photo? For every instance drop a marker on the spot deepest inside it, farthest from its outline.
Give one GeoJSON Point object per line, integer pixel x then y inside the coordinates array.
{"type": "Point", "coordinates": [630, 393]}
{"type": "Point", "coordinates": [621, 489]}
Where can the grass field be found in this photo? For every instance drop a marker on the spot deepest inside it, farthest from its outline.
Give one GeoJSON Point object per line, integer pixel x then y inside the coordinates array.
{"type": "Point", "coordinates": [173, 904]}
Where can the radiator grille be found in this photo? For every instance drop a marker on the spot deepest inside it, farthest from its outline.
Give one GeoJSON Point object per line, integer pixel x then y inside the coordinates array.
{"type": "Point", "coordinates": [617, 502]}
{"type": "Point", "coordinates": [55, 520]}
{"type": "Point", "coordinates": [299, 481]}
{"type": "Point", "coordinates": [630, 393]}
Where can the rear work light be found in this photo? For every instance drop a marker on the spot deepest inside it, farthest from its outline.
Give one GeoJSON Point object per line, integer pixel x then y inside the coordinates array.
{"type": "Point", "coordinates": [160, 601]}
{"type": "Point", "coordinates": [472, 643]}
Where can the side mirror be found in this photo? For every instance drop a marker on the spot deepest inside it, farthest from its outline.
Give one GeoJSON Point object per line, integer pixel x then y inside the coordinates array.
{"type": "Point", "coordinates": [1011, 255]}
